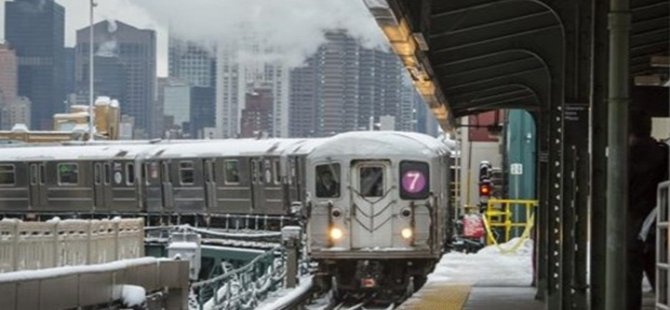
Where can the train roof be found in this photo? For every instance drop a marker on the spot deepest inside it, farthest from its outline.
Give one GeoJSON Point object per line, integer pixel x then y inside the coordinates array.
{"type": "Point", "coordinates": [237, 147]}
{"type": "Point", "coordinates": [382, 143]}
{"type": "Point", "coordinates": [74, 152]}
{"type": "Point", "coordinates": [361, 143]}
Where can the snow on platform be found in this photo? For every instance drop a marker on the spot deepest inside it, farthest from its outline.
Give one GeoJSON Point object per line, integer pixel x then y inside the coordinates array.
{"type": "Point", "coordinates": [475, 281]}
{"type": "Point", "coordinates": [488, 267]}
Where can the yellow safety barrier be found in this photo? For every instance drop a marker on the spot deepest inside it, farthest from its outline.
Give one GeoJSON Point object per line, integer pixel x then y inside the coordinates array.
{"type": "Point", "coordinates": [498, 214]}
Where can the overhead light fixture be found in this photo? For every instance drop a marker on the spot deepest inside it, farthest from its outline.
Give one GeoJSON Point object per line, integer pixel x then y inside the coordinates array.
{"type": "Point", "coordinates": [421, 41]}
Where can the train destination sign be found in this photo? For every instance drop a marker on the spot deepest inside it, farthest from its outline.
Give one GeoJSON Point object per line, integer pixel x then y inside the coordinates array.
{"type": "Point", "coordinates": [413, 181]}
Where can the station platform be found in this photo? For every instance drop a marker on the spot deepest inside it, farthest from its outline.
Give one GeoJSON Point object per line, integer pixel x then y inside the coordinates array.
{"type": "Point", "coordinates": [451, 296]}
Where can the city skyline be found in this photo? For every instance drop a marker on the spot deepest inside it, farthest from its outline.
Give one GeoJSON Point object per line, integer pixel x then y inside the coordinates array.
{"type": "Point", "coordinates": [360, 81]}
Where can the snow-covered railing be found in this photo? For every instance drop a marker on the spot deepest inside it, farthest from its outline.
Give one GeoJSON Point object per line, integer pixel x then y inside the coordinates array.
{"type": "Point", "coordinates": [245, 287]}
{"type": "Point", "coordinates": [663, 247]}
{"type": "Point", "coordinates": [38, 245]}
{"type": "Point", "coordinates": [126, 281]}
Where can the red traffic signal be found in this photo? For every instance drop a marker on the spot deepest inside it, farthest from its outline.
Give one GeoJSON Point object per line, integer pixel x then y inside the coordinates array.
{"type": "Point", "coordinates": [484, 189]}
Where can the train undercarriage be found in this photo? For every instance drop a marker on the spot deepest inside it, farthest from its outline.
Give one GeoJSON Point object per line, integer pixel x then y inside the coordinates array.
{"type": "Point", "coordinates": [378, 280]}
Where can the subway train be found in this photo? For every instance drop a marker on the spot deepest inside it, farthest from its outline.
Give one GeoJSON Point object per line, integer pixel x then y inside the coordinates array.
{"type": "Point", "coordinates": [375, 203]}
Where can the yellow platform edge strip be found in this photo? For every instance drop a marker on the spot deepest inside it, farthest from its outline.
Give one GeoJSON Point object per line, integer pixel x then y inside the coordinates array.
{"type": "Point", "coordinates": [442, 296]}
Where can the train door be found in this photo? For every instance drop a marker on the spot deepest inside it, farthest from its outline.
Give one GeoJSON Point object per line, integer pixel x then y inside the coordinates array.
{"type": "Point", "coordinates": [209, 166]}
{"type": "Point", "coordinates": [274, 204]}
{"type": "Point", "coordinates": [99, 184]}
{"type": "Point", "coordinates": [257, 186]}
{"type": "Point", "coordinates": [167, 195]}
{"type": "Point", "coordinates": [153, 194]}
{"type": "Point", "coordinates": [372, 204]}
{"type": "Point", "coordinates": [38, 189]}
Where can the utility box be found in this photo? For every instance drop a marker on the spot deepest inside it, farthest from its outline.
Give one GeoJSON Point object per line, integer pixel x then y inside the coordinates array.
{"type": "Point", "coordinates": [186, 246]}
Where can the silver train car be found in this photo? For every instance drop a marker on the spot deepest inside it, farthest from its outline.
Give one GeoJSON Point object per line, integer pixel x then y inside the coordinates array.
{"type": "Point", "coordinates": [376, 203]}
{"type": "Point", "coordinates": [379, 213]}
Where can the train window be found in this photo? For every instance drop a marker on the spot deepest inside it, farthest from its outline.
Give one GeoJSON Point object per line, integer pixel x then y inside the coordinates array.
{"type": "Point", "coordinates": [7, 175]}
{"type": "Point", "coordinates": [276, 171]}
{"type": "Point", "coordinates": [186, 172]}
{"type": "Point", "coordinates": [96, 174]}
{"type": "Point", "coordinates": [371, 181]}
{"type": "Point", "coordinates": [130, 174]}
{"type": "Point", "coordinates": [232, 172]}
{"type": "Point", "coordinates": [108, 173]}
{"type": "Point", "coordinates": [414, 180]}
{"type": "Point", "coordinates": [68, 174]}
{"type": "Point", "coordinates": [34, 174]}
{"type": "Point", "coordinates": [328, 181]}
{"type": "Point", "coordinates": [43, 174]}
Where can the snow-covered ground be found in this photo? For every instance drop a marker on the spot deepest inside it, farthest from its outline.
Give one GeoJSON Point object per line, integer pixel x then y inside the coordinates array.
{"type": "Point", "coordinates": [488, 267]}
{"type": "Point", "coordinates": [283, 297]}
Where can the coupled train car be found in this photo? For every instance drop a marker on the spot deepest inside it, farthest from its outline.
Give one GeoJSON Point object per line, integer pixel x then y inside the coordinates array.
{"type": "Point", "coordinates": [376, 203]}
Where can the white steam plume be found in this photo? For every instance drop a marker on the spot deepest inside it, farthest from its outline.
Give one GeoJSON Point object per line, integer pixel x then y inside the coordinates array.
{"type": "Point", "coordinates": [292, 29]}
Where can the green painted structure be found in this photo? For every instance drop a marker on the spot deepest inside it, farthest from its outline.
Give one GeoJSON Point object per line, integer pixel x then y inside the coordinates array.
{"type": "Point", "coordinates": [520, 150]}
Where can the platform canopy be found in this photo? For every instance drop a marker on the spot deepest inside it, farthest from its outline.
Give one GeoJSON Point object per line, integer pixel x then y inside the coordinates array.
{"type": "Point", "coordinates": [459, 55]}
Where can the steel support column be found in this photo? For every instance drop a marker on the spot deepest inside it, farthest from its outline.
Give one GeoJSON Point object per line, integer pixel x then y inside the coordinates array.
{"type": "Point", "coordinates": [600, 71]}
{"type": "Point", "coordinates": [617, 164]}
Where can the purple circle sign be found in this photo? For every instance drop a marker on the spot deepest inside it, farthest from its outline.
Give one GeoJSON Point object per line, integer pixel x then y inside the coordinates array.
{"type": "Point", "coordinates": [413, 181]}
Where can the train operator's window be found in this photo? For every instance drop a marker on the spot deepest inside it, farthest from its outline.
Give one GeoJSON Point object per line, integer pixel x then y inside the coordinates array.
{"type": "Point", "coordinates": [232, 172]}
{"type": "Point", "coordinates": [186, 172]}
{"type": "Point", "coordinates": [68, 174]}
{"type": "Point", "coordinates": [328, 181]}
{"type": "Point", "coordinates": [7, 173]}
{"type": "Point", "coordinates": [130, 173]}
{"type": "Point", "coordinates": [372, 181]}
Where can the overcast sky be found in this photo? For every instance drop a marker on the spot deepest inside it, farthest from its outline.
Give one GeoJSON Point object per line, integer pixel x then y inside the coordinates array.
{"type": "Point", "coordinates": [293, 27]}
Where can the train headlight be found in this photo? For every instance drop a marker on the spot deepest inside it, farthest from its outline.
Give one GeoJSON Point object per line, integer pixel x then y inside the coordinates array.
{"type": "Point", "coordinates": [336, 233]}
{"type": "Point", "coordinates": [406, 233]}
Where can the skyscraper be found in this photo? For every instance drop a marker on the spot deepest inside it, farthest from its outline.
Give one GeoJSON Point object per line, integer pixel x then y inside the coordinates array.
{"type": "Point", "coordinates": [8, 73]}
{"type": "Point", "coordinates": [304, 93]}
{"type": "Point", "coordinates": [203, 101]}
{"type": "Point", "coordinates": [338, 92]}
{"type": "Point", "coordinates": [135, 51]}
{"type": "Point", "coordinates": [36, 30]}
{"type": "Point", "coordinates": [239, 71]}
{"type": "Point", "coordinates": [191, 62]}
{"type": "Point", "coordinates": [257, 115]}
{"type": "Point", "coordinates": [70, 81]}
{"type": "Point", "coordinates": [345, 86]}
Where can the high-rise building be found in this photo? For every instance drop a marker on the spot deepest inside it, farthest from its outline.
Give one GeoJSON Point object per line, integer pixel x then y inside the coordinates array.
{"type": "Point", "coordinates": [425, 120]}
{"type": "Point", "coordinates": [176, 96]}
{"type": "Point", "coordinates": [257, 115]}
{"type": "Point", "coordinates": [238, 72]}
{"type": "Point", "coordinates": [8, 73]}
{"type": "Point", "coordinates": [346, 87]}
{"type": "Point", "coordinates": [109, 80]}
{"type": "Point", "coordinates": [337, 100]}
{"type": "Point", "coordinates": [407, 110]}
{"type": "Point", "coordinates": [135, 50]}
{"type": "Point", "coordinates": [203, 101]}
{"type": "Point", "coordinates": [36, 30]}
{"type": "Point", "coordinates": [69, 75]}
{"type": "Point", "coordinates": [305, 85]}
{"type": "Point", "coordinates": [16, 111]}
{"type": "Point", "coordinates": [191, 62]}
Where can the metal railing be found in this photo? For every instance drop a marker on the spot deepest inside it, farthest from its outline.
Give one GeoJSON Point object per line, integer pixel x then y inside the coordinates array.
{"type": "Point", "coordinates": [662, 248]}
{"type": "Point", "coordinates": [38, 245]}
{"type": "Point", "coordinates": [97, 286]}
{"type": "Point", "coordinates": [244, 287]}
{"type": "Point", "coordinates": [498, 215]}
{"type": "Point", "coordinates": [248, 286]}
